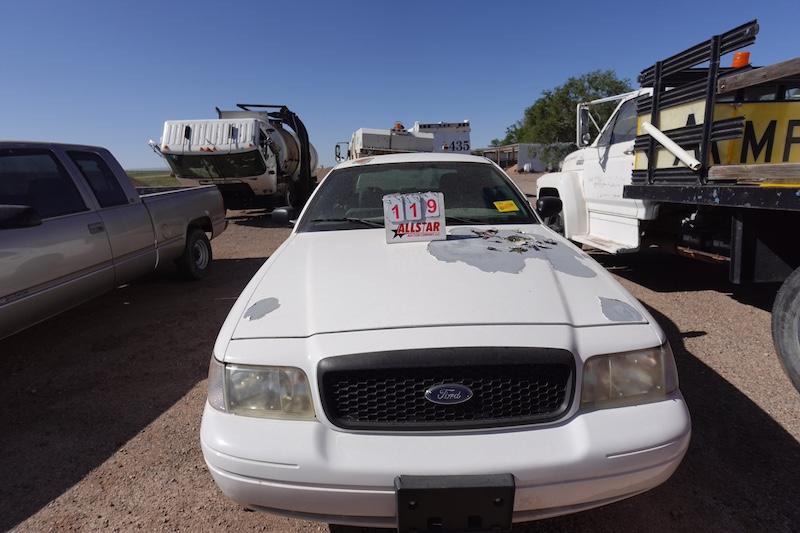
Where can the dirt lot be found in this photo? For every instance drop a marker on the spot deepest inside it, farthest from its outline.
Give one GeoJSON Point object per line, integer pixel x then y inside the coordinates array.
{"type": "Point", "coordinates": [101, 407]}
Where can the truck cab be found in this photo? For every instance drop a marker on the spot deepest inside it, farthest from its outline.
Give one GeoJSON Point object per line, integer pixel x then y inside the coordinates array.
{"type": "Point", "coordinates": [703, 161]}
{"type": "Point", "coordinates": [592, 179]}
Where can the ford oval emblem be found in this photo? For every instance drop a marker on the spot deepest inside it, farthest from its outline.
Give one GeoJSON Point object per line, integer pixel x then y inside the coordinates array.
{"type": "Point", "coordinates": [448, 394]}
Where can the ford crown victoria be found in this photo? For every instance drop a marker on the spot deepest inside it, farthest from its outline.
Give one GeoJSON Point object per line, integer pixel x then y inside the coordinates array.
{"type": "Point", "coordinates": [494, 376]}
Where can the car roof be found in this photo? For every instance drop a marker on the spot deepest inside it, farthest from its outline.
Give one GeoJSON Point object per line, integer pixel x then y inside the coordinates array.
{"type": "Point", "coordinates": [415, 157]}
{"type": "Point", "coordinates": [47, 145]}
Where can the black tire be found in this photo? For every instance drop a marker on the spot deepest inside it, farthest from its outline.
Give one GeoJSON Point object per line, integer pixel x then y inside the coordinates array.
{"type": "Point", "coordinates": [196, 259]}
{"type": "Point", "coordinates": [786, 326]}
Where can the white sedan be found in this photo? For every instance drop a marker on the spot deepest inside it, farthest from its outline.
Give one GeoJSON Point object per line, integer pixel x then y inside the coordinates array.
{"type": "Point", "coordinates": [496, 376]}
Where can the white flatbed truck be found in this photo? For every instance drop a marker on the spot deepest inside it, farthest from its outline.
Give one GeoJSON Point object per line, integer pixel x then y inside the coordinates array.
{"type": "Point", "coordinates": [704, 161]}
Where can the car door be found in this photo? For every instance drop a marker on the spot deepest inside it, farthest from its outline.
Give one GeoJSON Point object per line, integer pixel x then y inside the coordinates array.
{"type": "Point", "coordinates": [608, 166]}
{"type": "Point", "coordinates": [65, 260]}
{"type": "Point", "coordinates": [126, 220]}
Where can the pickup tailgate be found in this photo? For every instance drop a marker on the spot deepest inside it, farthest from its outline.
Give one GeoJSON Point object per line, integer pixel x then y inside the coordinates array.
{"type": "Point", "coordinates": [174, 208]}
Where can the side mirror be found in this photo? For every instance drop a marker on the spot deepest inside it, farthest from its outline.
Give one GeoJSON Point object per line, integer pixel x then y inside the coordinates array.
{"type": "Point", "coordinates": [283, 216]}
{"type": "Point", "coordinates": [339, 156]}
{"type": "Point", "coordinates": [584, 137]}
{"type": "Point", "coordinates": [18, 216]}
{"type": "Point", "coordinates": [548, 206]}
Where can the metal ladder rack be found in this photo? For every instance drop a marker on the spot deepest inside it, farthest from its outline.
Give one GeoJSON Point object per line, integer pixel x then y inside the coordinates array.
{"type": "Point", "coordinates": [678, 80]}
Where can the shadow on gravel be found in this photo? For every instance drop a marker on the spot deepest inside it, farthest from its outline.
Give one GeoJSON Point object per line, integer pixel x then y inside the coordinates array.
{"type": "Point", "coordinates": [256, 219]}
{"type": "Point", "coordinates": [75, 388]}
{"type": "Point", "coordinates": [663, 272]}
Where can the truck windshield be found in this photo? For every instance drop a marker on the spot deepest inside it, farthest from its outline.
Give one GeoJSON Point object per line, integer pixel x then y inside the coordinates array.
{"type": "Point", "coordinates": [217, 166]}
{"type": "Point", "coordinates": [474, 193]}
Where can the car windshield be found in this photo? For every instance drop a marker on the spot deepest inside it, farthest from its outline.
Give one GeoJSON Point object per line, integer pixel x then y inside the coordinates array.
{"type": "Point", "coordinates": [241, 165]}
{"type": "Point", "coordinates": [474, 193]}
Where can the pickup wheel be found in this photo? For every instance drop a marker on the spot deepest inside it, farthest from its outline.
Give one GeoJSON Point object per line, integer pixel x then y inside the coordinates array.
{"type": "Point", "coordinates": [196, 258]}
{"type": "Point", "coordinates": [786, 326]}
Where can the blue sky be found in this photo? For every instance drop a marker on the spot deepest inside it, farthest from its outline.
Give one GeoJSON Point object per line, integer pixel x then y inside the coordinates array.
{"type": "Point", "coordinates": [110, 72]}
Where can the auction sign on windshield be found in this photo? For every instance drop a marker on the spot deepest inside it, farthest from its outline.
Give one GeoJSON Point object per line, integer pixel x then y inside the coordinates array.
{"type": "Point", "coordinates": [414, 217]}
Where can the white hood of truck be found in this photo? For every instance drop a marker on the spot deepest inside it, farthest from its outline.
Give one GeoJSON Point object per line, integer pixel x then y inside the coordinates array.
{"type": "Point", "coordinates": [337, 281]}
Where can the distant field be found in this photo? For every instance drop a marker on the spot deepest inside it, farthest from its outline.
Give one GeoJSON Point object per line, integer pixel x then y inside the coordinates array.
{"type": "Point", "coordinates": [153, 178]}
{"type": "Point", "coordinates": [162, 178]}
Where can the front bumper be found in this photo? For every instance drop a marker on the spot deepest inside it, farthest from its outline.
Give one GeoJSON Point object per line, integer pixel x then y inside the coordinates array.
{"type": "Point", "coordinates": [310, 470]}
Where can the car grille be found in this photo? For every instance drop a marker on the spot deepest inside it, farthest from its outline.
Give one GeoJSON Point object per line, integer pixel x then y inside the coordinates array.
{"type": "Point", "coordinates": [386, 390]}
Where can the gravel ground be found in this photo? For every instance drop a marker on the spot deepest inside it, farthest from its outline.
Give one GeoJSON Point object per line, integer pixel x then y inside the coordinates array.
{"type": "Point", "coordinates": [101, 406]}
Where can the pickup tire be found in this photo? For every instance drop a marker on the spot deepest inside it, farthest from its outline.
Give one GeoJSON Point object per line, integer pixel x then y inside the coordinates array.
{"type": "Point", "coordinates": [786, 326]}
{"type": "Point", "coordinates": [195, 261]}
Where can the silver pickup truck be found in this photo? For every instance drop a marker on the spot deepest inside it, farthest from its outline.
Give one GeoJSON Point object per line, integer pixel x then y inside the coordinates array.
{"type": "Point", "coordinates": [73, 226]}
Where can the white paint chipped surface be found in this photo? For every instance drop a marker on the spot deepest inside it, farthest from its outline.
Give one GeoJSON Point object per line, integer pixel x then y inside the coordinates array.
{"type": "Point", "coordinates": [350, 280]}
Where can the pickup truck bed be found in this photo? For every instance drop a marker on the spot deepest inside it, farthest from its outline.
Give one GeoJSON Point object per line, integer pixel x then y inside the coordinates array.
{"type": "Point", "coordinates": [73, 226]}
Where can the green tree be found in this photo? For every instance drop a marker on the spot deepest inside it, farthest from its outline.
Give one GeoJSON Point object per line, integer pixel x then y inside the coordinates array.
{"type": "Point", "coordinates": [551, 118]}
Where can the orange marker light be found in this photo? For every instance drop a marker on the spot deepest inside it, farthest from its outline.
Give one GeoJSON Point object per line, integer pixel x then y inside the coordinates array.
{"type": "Point", "coordinates": [740, 59]}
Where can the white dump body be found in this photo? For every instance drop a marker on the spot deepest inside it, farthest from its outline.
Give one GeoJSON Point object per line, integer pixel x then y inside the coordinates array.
{"type": "Point", "coordinates": [223, 136]}
{"type": "Point", "coordinates": [371, 141]}
{"type": "Point", "coordinates": [212, 137]}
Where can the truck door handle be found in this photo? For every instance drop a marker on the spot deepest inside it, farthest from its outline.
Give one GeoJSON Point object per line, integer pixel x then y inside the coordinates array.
{"type": "Point", "coordinates": [629, 151]}
{"type": "Point", "coordinates": [579, 162]}
{"type": "Point", "coordinates": [96, 227]}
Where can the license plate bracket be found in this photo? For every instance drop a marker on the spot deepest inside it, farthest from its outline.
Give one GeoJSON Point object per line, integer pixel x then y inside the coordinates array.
{"type": "Point", "coordinates": [454, 503]}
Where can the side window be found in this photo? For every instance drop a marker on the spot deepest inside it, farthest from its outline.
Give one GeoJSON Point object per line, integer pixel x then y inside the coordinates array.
{"type": "Point", "coordinates": [101, 179]}
{"type": "Point", "coordinates": [625, 124]}
{"type": "Point", "coordinates": [605, 137]}
{"type": "Point", "coordinates": [37, 179]}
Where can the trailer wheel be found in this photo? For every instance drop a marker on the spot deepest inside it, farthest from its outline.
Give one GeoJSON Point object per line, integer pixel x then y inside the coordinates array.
{"type": "Point", "coordinates": [195, 261]}
{"type": "Point", "coordinates": [786, 326]}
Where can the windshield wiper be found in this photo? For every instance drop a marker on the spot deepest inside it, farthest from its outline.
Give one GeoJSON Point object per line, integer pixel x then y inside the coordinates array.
{"type": "Point", "coordinates": [364, 221]}
{"type": "Point", "coordinates": [465, 220]}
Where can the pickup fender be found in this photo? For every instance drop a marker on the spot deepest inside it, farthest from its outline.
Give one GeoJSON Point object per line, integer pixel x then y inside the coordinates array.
{"type": "Point", "coordinates": [566, 186]}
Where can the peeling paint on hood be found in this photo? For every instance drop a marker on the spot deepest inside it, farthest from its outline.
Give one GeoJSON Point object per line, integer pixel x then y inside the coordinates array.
{"type": "Point", "coordinates": [494, 250]}
{"type": "Point", "coordinates": [351, 280]}
{"type": "Point", "coordinates": [261, 308]}
{"type": "Point", "coordinates": [618, 311]}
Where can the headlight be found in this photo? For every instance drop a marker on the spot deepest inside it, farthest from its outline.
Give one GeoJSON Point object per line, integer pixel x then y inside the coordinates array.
{"type": "Point", "coordinates": [629, 377]}
{"type": "Point", "coordinates": [216, 384]}
{"type": "Point", "coordinates": [260, 391]}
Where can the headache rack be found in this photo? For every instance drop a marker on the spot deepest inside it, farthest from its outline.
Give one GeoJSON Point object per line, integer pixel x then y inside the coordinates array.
{"type": "Point", "coordinates": [710, 111]}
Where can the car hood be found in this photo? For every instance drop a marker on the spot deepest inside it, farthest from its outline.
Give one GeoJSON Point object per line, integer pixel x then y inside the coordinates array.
{"type": "Point", "coordinates": [337, 281]}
